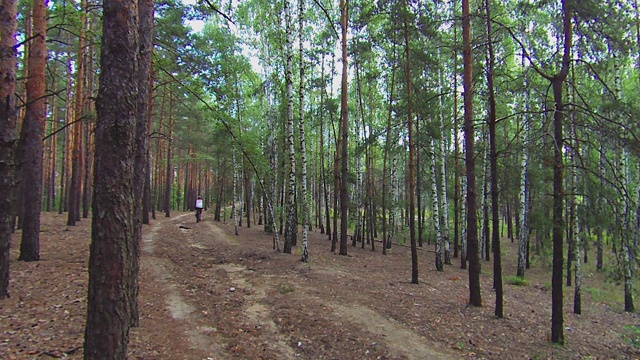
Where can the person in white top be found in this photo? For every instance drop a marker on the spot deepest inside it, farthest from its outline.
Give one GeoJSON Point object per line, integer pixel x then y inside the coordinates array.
{"type": "Point", "coordinates": [199, 208]}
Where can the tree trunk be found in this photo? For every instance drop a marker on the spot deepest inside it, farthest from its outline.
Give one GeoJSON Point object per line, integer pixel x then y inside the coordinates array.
{"type": "Point", "coordinates": [435, 208]}
{"type": "Point", "coordinates": [303, 146]}
{"type": "Point", "coordinates": [31, 137]}
{"type": "Point", "coordinates": [291, 227]}
{"type": "Point", "coordinates": [575, 229]}
{"type": "Point", "coordinates": [107, 327]}
{"type": "Point", "coordinates": [8, 112]}
{"type": "Point", "coordinates": [472, 222]}
{"type": "Point", "coordinates": [323, 174]}
{"type": "Point", "coordinates": [456, 146]}
{"type": "Point", "coordinates": [484, 202]}
{"type": "Point", "coordinates": [385, 195]}
{"type": "Point", "coordinates": [411, 180]}
{"type": "Point", "coordinates": [444, 203]}
{"type": "Point", "coordinates": [344, 130]}
{"type": "Point", "coordinates": [271, 196]}
{"type": "Point", "coordinates": [493, 156]}
{"type": "Point", "coordinates": [147, 204]}
{"type": "Point", "coordinates": [169, 174]}
{"type": "Point", "coordinates": [558, 221]}
{"type": "Point", "coordinates": [76, 166]}
{"type": "Point", "coordinates": [523, 239]}
{"type": "Point", "coordinates": [145, 30]}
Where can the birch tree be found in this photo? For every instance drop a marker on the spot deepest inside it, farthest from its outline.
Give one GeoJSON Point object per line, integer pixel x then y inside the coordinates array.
{"type": "Point", "coordinates": [627, 233]}
{"type": "Point", "coordinates": [291, 227]}
{"type": "Point", "coordinates": [524, 193]}
{"type": "Point", "coordinates": [435, 208]}
{"type": "Point", "coordinates": [444, 204]}
{"type": "Point", "coordinates": [303, 151]}
{"type": "Point", "coordinates": [344, 130]}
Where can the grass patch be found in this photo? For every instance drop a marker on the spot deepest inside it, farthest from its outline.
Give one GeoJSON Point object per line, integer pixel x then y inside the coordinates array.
{"type": "Point", "coordinates": [516, 280]}
{"type": "Point", "coordinates": [285, 289]}
{"type": "Point", "coordinates": [632, 335]}
{"type": "Point", "coordinates": [607, 293]}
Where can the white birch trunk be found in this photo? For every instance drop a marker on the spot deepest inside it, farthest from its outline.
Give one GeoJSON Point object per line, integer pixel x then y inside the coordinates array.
{"type": "Point", "coordinates": [627, 233]}
{"type": "Point", "coordinates": [524, 201]}
{"type": "Point", "coordinates": [291, 221]}
{"type": "Point", "coordinates": [358, 192]}
{"type": "Point", "coordinates": [235, 192]}
{"type": "Point", "coordinates": [393, 209]}
{"type": "Point", "coordinates": [273, 161]}
{"type": "Point", "coordinates": [577, 307]}
{"type": "Point", "coordinates": [434, 208]}
{"type": "Point", "coordinates": [484, 208]}
{"type": "Point", "coordinates": [240, 207]}
{"type": "Point", "coordinates": [629, 225]}
{"type": "Point", "coordinates": [463, 219]}
{"type": "Point", "coordinates": [444, 204]}
{"type": "Point", "coordinates": [303, 146]}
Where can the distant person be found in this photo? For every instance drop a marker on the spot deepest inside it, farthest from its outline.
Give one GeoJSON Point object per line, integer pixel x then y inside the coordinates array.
{"type": "Point", "coordinates": [199, 208]}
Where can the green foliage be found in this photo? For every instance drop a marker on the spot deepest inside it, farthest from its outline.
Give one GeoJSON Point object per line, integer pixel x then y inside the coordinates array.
{"type": "Point", "coordinates": [516, 280]}
{"type": "Point", "coordinates": [632, 335]}
{"type": "Point", "coordinates": [605, 294]}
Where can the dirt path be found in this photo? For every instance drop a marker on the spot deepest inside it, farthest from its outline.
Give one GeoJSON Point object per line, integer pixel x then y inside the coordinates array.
{"type": "Point", "coordinates": [206, 294]}
{"type": "Point", "coordinates": [255, 304]}
{"type": "Point", "coordinates": [181, 310]}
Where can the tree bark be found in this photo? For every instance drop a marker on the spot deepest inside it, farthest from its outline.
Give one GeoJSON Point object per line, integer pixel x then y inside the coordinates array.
{"type": "Point", "coordinates": [169, 174]}
{"type": "Point", "coordinates": [291, 226]}
{"type": "Point", "coordinates": [412, 189]}
{"type": "Point", "coordinates": [472, 222]}
{"type": "Point", "coordinates": [435, 209]}
{"type": "Point", "coordinates": [112, 228]}
{"type": "Point", "coordinates": [344, 130]}
{"type": "Point", "coordinates": [76, 166]}
{"type": "Point", "coordinates": [493, 153]}
{"type": "Point", "coordinates": [303, 146]}
{"type": "Point", "coordinates": [145, 31]}
{"type": "Point", "coordinates": [8, 112]}
{"type": "Point", "coordinates": [31, 137]}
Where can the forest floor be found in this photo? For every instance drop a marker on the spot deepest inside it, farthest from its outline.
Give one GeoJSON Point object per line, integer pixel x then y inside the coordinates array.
{"type": "Point", "coordinates": [208, 294]}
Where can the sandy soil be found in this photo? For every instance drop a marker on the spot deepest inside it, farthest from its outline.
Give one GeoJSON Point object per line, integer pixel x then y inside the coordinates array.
{"type": "Point", "coordinates": [208, 294]}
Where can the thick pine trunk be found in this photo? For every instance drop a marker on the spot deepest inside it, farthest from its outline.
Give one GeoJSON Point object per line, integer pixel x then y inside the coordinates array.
{"type": "Point", "coordinates": [145, 12]}
{"type": "Point", "coordinates": [76, 166]}
{"type": "Point", "coordinates": [112, 227]}
{"type": "Point", "coordinates": [31, 137]}
{"type": "Point", "coordinates": [8, 112]}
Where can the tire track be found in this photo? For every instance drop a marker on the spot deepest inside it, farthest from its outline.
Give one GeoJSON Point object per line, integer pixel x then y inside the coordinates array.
{"type": "Point", "coordinates": [200, 337]}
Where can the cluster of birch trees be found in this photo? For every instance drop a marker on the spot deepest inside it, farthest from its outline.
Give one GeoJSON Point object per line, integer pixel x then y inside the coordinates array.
{"type": "Point", "coordinates": [454, 123]}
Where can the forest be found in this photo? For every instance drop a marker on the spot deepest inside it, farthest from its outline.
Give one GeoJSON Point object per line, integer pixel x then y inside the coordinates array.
{"type": "Point", "coordinates": [457, 126]}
